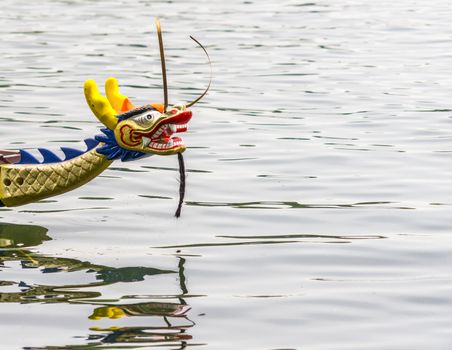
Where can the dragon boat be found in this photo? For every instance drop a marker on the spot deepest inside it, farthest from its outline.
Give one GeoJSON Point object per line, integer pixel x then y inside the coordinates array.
{"type": "Point", "coordinates": [130, 133]}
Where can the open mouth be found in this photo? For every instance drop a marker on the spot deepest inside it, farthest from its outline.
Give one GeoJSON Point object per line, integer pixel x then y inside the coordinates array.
{"type": "Point", "coordinates": [160, 137]}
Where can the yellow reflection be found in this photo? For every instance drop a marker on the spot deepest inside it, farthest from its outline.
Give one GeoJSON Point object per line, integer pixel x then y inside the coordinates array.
{"type": "Point", "coordinates": [107, 311]}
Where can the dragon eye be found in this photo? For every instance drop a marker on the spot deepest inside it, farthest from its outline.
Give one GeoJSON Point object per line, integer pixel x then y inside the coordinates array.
{"type": "Point", "coordinates": [152, 114]}
{"type": "Point", "coordinates": [147, 117]}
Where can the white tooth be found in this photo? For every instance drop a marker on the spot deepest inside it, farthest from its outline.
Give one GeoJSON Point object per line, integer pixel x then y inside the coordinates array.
{"type": "Point", "coordinates": [146, 141]}
{"type": "Point", "coordinates": [170, 144]}
{"type": "Point", "coordinates": [173, 127]}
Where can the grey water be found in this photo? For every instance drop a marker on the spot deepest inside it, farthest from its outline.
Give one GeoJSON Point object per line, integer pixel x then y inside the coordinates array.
{"type": "Point", "coordinates": [318, 208]}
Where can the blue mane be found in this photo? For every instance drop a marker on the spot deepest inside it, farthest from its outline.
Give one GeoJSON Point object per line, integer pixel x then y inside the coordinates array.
{"type": "Point", "coordinates": [112, 150]}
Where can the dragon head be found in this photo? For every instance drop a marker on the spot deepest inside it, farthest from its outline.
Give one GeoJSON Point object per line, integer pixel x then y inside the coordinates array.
{"type": "Point", "coordinates": [150, 130]}
{"type": "Point", "coordinates": [132, 132]}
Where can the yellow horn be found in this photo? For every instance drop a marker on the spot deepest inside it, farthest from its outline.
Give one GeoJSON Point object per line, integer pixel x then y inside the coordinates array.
{"type": "Point", "coordinates": [117, 100]}
{"type": "Point", "coordinates": [99, 105]}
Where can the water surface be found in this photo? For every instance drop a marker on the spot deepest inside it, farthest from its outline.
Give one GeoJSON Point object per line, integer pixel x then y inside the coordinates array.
{"type": "Point", "coordinates": [319, 186]}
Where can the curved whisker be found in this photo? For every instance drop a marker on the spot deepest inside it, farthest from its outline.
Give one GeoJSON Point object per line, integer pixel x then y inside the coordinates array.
{"type": "Point", "coordinates": [211, 73]}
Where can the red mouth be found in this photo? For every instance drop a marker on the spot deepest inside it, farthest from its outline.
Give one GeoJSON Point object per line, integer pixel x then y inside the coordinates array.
{"type": "Point", "coordinates": [160, 137]}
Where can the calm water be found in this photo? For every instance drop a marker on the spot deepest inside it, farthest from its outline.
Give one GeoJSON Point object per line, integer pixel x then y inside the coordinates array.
{"type": "Point", "coordinates": [319, 191]}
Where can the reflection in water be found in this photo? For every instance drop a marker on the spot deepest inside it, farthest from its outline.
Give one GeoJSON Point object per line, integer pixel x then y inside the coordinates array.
{"type": "Point", "coordinates": [275, 239]}
{"type": "Point", "coordinates": [145, 335]}
{"type": "Point", "coordinates": [171, 331]}
{"type": "Point", "coordinates": [158, 334]}
{"type": "Point", "coordinates": [18, 236]}
{"type": "Point", "coordinates": [295, 205]}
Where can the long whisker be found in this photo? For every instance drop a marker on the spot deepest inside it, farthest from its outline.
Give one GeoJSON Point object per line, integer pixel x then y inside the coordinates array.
{"type": "Point", "coordinates": [210, 81]}
{"type": "Point", "coordinates": [181, 185]}
{"type": "Point", "coordinates": [162, 59]}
